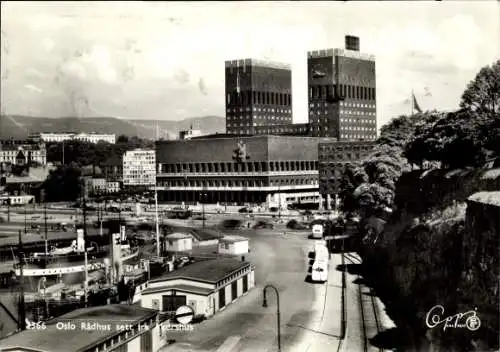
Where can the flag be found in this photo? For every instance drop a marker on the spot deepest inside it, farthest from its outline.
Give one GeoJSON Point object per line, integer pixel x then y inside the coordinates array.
{"type": "Point", "coordinates": [416, 107]}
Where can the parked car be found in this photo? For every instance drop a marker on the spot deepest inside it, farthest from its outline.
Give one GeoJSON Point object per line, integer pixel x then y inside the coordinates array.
{"type": "Point", "coordinates": [263, 225]}
{"type": "Point", "coordinates": [245, 210]}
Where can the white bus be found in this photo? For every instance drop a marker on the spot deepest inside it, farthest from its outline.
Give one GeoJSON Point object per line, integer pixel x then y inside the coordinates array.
{"type": "Point", "coordinates": [319, 272]}
{"type": "Point", "coordinates": [319, 268]}
{"type": "Point", "coordinates": [317, 231]}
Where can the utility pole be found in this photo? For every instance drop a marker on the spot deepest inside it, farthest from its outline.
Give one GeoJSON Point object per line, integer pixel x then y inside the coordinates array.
{"type": "Point", "coordinates": [25, 220]}
{"type": "Point", "coordinates": [157, 225]}
{"type": "Point", "coordinates": [85, 284]}
{"type": "Point", "coordinates": [22, 311]}
{"type": "Point", "coordinates": [46, 227]}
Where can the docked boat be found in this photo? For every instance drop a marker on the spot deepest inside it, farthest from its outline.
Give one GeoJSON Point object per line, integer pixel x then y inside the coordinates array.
{"type": "Point", "coordinates": [71, 259]}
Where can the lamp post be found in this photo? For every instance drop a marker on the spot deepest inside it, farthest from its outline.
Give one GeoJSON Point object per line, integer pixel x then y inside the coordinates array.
{"type": "Point", "coordinates": [202, 198]}
{"type": "Point", "coordinates": [25, 219]}
{"type": "Point", "coordinates": [264, 304]}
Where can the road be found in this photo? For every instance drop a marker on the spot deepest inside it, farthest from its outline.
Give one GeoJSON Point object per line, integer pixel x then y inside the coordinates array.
{"type": "Point", "coordinates": [247, 326]}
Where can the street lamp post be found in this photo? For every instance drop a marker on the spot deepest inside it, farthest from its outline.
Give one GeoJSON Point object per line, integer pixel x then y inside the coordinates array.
{"type": "Point", "coordinates": [25, 219]}
{"type": "Point", "coordinates": [203, 196]}
{"type": "Point", "coordinates": [264, 304]}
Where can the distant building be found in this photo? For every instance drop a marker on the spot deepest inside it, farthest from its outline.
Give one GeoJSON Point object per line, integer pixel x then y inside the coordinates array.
{"type": "Point", "coordinates": [233, 245]}
{"type": "Point", "coordinates": [95, 185]}
{"type": "Point", "coordinates": [68, 136]}
{"type": "Point", "coordinates": [179, 242]}
{"type": "Point", "coordinates": [112, 169]}
{"type": "Point", "coordinates": [113, 186]}
{"type": "Point", "coordinates": [333, 157]}
{"type": "Point", "coordinates": [207, 286]}
{"type": "Point", "coordinates": [139, 168]}
{"type": "Point", "coordinates": [22, 152]}
{"type": "Point", "coordinates": [188, 134]}
{"type": "Point", "coordinates": [117, 327]}
{"type": "Point", "coordinates": [258, 93]}
{"type": "Point", "coordinates": [342, 93]}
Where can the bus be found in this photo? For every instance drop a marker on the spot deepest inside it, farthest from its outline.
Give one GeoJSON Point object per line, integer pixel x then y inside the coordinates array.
{"type": "Point", "coordinates": [319, 268]}
{"type": "Point", "coordinates": [317, 231]}
{"type": "Point", "coordinates": [319, 272]}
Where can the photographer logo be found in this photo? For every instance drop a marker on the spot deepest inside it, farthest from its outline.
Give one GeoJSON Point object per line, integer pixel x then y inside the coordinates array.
{"type": "Point", "coordinates": [436, 317]}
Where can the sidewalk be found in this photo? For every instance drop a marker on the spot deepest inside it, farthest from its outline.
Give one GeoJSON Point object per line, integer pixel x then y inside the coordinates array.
{"type": "Point", "coordinates": [323, 330]}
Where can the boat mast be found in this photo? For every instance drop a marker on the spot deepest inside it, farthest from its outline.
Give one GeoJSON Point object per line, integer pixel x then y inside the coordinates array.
{"type": "Point", "coordinates": [157, 225]}
{"type": "Point", "coordinates": [22, 311]}
{"type": "Point", "coordinates": [85, 264]}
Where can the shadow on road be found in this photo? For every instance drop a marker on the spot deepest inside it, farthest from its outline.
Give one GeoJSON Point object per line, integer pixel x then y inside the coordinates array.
{"type": "Point", "coordinates": [392, 339]}
{"type": "Point", "coordinates": [353, 269]}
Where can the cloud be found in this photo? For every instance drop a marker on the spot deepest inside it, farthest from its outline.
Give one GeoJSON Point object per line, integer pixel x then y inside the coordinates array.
{"type": "Point", "coordinates": [33, 88]}
{"type": "Point", "coordinates": [48, 44]}
{"type": "Point", "coordinates": [181, 77]}
{"type": "Point", "coordinates": [130, 53]}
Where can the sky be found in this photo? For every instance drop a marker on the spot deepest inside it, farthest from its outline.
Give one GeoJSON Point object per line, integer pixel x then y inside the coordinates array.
{"type": "Point", "coordinates": [165, 61]}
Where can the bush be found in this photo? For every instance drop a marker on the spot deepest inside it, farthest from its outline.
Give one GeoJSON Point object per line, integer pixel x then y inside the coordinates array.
{"type": "Point", "coordinates": [295, 225]}
{"type": "Point", "coordinates": [231, 224]}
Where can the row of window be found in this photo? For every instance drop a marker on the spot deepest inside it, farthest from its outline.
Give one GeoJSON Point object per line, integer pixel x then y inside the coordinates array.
{"type": "Point", "coordinates": [260, 117]}
{"type": "Point", "coordinates": [328, 149]}
{"type": "Point", "coordinates": [294, 165]}
{"type": "Point", "coordinates": [236, 183]}
{"type": "Point", "coordinates": [355, 128]}
{"type": "Point", "coordinates": [342, 103]}
{"type": "Point", "coordinates": [343, 90]}
{"type": "Point", "coordinates": [358, 136]}
{"type": "Point", "coordinates": [359, 113]}
{"type": "Point", "coordinates": [255, 124]}
{"type": "Point", "coordinates": [283, 111]}
{"type": "Point", "coordinates": [362, 121]}
{"type": "Point", "coordinates": [267, 131]}
{"type": "Point", "coordinates": [256, 97]}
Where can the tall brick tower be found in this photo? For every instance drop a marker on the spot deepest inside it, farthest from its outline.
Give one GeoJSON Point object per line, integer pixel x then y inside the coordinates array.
{"type": "Point", "coordinates": [342, 93]}
{"type": "Point", "coordinates": [258, 93]}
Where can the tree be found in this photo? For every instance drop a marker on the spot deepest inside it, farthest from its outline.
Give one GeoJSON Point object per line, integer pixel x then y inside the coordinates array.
{"type": "Point", "coordinates": [456, 139]}
{"type": "Point", "coordinates": [352, 176]}
{"type": "Point", "coordinates": [483, 92]}
{"type": "Point", "coordinates": [63, 184]}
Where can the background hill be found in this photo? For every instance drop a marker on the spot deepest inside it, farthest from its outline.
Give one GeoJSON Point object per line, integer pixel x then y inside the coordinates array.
{"type": "Point", "coordinates": [20, 127]}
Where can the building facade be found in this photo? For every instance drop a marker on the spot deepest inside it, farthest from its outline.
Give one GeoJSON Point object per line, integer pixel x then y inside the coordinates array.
{"type": "Point", "coordinates": [68, 136]}
{"type": "Point", "coordinates": [333, 157]}
{"type": "Point", "coordinates": [342, 93]}
{"type": "Point", "coordinates": [258, 93]}
{"type": "Point", "coordinates": [208, 170]}
{"type": "Point", "coordinates": [19, 152]}
{"type": "Point", "coordinates": [139, 168]}
{"type": "Point", "coordinates": [179, 242]}
{"type": "Point", "coordinates": [112, 169]}
{"type": "Point", "coordinates": [96, 186]}
{"type": "Point", "coordinates": [118, 327]}
{"type": "Point", "coordinates": [207, 287]}
{"type": "Point", "coordinates": [188, 134]}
